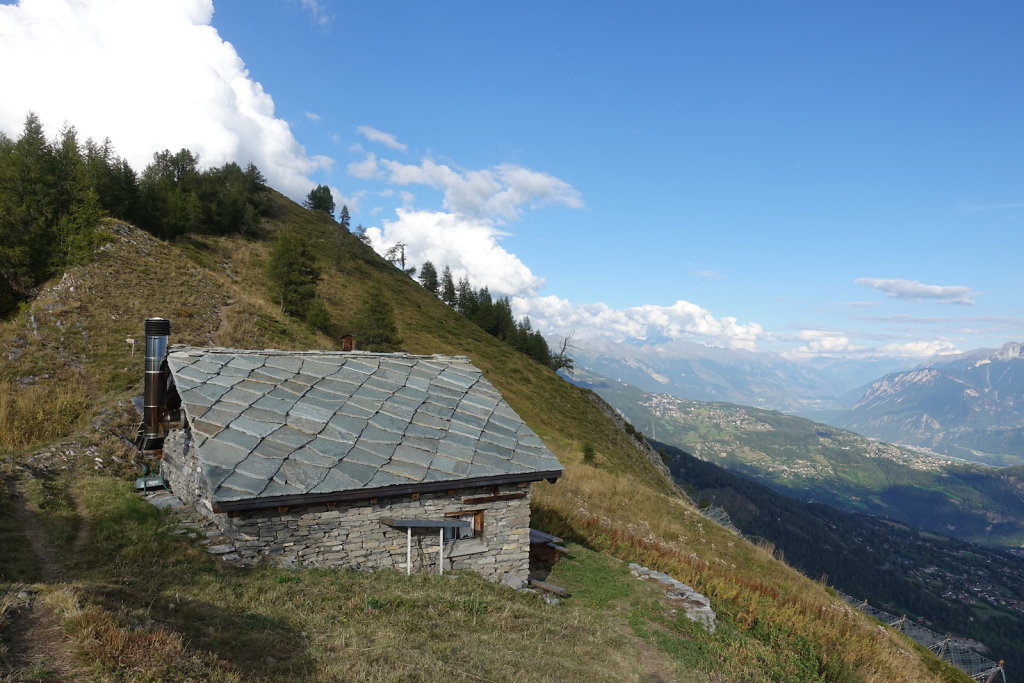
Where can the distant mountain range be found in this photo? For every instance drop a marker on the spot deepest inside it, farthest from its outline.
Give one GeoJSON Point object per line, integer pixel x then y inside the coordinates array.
{"type": "Point", "coordinates": [969, 406]}
{"type": "Point", "coordinates": [703, 373]}
{"type": "Point", "coordinates": [817, 462]}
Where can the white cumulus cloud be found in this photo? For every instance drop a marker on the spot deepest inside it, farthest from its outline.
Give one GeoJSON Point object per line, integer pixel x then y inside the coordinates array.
{"type": "Point", "coordinates": [681, 320]}
{"type": "Point", "coordinates": [365, 169]}
{"type": "Point", "coordinates": [497, 193]}
{"type": "Point", "coordinates": [150, 75]}
{"type": "Point", "coordinates": [469, 246]}
{"type": "Point", "coordinates": [386, 139]}
{"type": "Point", "coordinates": [916, 291]}
{"type": "Point", "coordinates": [822, 343]}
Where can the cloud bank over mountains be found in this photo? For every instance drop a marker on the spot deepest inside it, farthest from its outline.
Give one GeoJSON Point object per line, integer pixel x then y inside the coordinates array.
{"type": "Point", "coordinates": [164, 70]}
{"type": "Point", "coordinates": [681, 320]}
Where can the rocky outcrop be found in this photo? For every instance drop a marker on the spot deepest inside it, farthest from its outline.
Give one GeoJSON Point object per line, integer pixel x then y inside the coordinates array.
{"type": "Point", "coordinates": [679, 596]}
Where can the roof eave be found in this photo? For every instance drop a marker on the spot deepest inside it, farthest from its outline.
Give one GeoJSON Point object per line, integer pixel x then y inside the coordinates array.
{"type": "Point", "coordinates": [304, 499]}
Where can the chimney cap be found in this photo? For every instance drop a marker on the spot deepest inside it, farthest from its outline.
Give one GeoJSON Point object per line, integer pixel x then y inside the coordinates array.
{"type": "Point", "coordinates": [157, 327]}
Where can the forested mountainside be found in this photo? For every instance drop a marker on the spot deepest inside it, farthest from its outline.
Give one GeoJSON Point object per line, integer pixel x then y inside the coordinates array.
{"type": "Point", "coordinates": [101, 582]}
{"type": "Point", "coordinates": [952, 586]}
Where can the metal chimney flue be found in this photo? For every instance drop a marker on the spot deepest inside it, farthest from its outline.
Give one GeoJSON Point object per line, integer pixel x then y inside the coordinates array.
{"type": "Point", "coordinates": [158, 331]}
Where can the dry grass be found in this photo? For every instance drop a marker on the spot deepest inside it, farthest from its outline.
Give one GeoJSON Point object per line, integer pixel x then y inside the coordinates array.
{"type": "Point", "coordinates": [38, 412]}
{"type": "Point", "coordinates": [780, 625]}
{"type": "Point", "coordinates": [140, 587]}
{"type": "Point", "coordinates": [339, 625]}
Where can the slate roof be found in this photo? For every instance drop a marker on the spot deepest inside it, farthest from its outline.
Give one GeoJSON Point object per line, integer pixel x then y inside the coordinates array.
{"type": "Point", "coordinates": [268, 424]}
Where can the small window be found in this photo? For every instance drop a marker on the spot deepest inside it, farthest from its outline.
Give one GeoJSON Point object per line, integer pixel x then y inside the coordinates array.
{"type": "Point", "coordinates": [474, 530]}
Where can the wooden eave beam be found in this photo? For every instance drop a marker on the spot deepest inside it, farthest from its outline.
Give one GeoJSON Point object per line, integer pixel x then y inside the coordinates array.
{"type": "Point", "coordinates": [381, 492]}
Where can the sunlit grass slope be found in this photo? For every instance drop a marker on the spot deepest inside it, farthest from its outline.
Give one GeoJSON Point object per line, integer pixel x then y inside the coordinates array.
{"type": "Point", "coordinates": [67, 365]}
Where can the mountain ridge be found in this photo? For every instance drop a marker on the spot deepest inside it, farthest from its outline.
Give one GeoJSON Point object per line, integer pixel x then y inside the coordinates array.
{"type": "Point", "coordinates": [970, 406]}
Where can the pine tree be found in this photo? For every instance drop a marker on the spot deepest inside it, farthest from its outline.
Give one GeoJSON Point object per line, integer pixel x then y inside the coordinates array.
{"type": "Point", "coordinates": [448, 294]}
{"type": "Point", "coordinates": [428, 277]}
{"type": "Point", "coordinates": [320, 199]}
{"type": "Point", "coordinates": [293, 274]}
{"type": "Point", "coordinates": [344, 218]}
{"type": "Point", "coordinates": [465, 298]}
{"type": "Point", "coordinates": [375, 322]}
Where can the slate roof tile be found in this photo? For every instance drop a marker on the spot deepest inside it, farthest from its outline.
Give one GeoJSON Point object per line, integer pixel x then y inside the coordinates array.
{"type": "Point", "coordinates": [243, 363]}
{"type": "Point", "coordinates": [250, 422]}
{"type": "Point", "coordinates": [412, 394]}
{"type": "Point", "coordinates": [292, 387]}
{"type": "Point", "coordinates": [329, 448]}
{"type": "Point", "coordinates": [333, 421]}
{"type": "Point", "coordinates": [348, 425]}
{"type": "Point", "coordinates": [300, 475]}
{"type": "Point", "coordinates": [289, 363]}
{"type": "Point", "coordinates": [448, 465]}
{"type": "Point", "coordinates": [240, 396]}
{"type": "Point", "coordinates": [372, 394]}
{"type": "Point", "coordinates": [275, 404]}
{"type": "Point", "coordinates": [224, 380]}
{"type": "Point", "coordinates": [269, 448]}
{"type": "Point", "coordinates": [454, 451]}
{"type": "Point", "coordinates": [304, 424]}
{"type": "Point", "coordinates": [436, 411]}
{"type": "Point", "coordinates": [190, 373]}
{"type": "Point", "coordinates": [419, 431]}
{"type": "Point", "coordinates": [362, 456]}
{"type": "Point", "coordinates": [332, 433]}
{"type": "Point", "coordinates": [311, 457]}
{"type": "Point", "coordinates": [276, 374]}
{"type": "Point", "coordinates": [276, 488]}
{"type": "Point", "coordinates": [234, 371]}
{"type": "Point", "coordinates": [244, 483]}
{"type": "Point", "coordinates": [352, 409]}
{"type": "Point", "coordinates": [407, 470]}
{"type": "Point", "coordinates": [382, 478]}
{"type": "Point", "coordinates": [238, 439]}
{"type": "Point", "coordinates": [210, 391]}
{"type": "Point", "coordinates": [214, 476]}
{"type": "Point", "coordinates": [362, 366]}
{"type": "Point", "coordinates": [356, 471]}
{"type": "Point", "coordinates": [336, 387]}
{"type": "Point", "coordinates": [336, 480]}
{"type": "Point", "coordinates": [380, 450]}
{"type": "Point", "coordinates": [290, 437]}
{"type": "Point", "coordinates": [205, 428]}
{"type": "Point", "coordinates": [428, 421]}
{"type": "Point", "coordinates": [489, 460]}
{"type": "Point", "coordinates": [415, 456]}
{"type": "Point", "coordinates": [311, 411]}
{"type": "Point", "coordinates": [347, 374]}
{"type": "Point", "coordinates": [258, 467]}
{"type": "Point", "coordinates": [222, 454]}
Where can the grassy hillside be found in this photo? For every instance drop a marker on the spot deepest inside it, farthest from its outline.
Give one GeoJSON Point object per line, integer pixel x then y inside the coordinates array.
{"type": "Point", "coordinates": [139, 602]}
{"type": "Point", "coordinates": [813, 461]}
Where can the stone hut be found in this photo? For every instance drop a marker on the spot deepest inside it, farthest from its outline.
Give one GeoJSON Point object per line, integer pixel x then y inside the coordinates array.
{"type": "Point", "coordinates": [363, 460]}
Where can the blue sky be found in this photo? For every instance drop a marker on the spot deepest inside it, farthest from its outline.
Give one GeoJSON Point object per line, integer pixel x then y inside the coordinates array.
{"type": "Point", "coordinates": [801, 177]}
